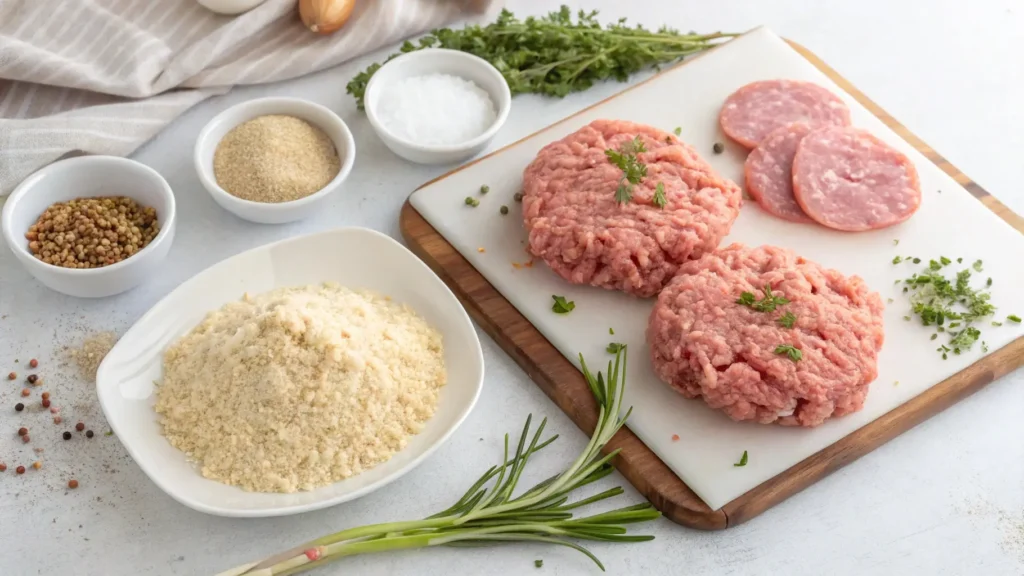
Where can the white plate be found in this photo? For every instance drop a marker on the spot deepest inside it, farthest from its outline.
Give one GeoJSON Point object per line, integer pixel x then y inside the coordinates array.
{"type": "Point", "coordinates": [950, 223]}
{"type": "Point", "coordinates": [353, 257]}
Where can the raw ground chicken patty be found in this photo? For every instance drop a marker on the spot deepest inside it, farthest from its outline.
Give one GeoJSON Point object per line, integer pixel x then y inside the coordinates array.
{"type": "Point", "coordinates": [704, 344]}
{"type": "Point", "coordinates": [581, 232]}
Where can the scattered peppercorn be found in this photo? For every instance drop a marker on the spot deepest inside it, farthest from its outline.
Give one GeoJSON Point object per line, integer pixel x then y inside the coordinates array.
{"type": "Point", "coordinates": [22, 431]}
{"type": "Point", "coordinates": [19, 407]}
{"type": "Point", "coordinates": [25, 439]}
{"type": "Point", "coordinates": [518, 196]}
{"type": "Point", "coordinates": [3, 467]}
{"type": "Point", "coordinates": [718, 147]}
{"type": "Point", "coordinates": [89, 434]}
{"type": "Point", "coordinates": [12, 376]}
{"type": "Point", "coordinates": [57, 419]}
{"type": "Point", "coordinates": [25, 391]}
{"type": "Point", "coordinates": [20, 469]}
{"type": "Point", "coordinates": [37, 464]}
{"type": "Point", "coordinates": [33, 363]}
{"type": "Point", "coordinates": [485, 189]}
{"type": "Point", "coordinates": [80, 426]}
{"type": "Point", "coordinates": [67, 436]}
{"type": "Point", "coordinates": [470, 201]}
{"type": "Point", "coordinates": [46, 395]}
{"type": "Point", "coordinates": [46, 402]}
{"type": "Point", "coordinates": [72, 484]}
{"type": "Point", "coordinates": [54, 410]}
{"type": "Point", "coordinates": [32, 378]}
{"type": "Point", "coordinates": [503, 210]}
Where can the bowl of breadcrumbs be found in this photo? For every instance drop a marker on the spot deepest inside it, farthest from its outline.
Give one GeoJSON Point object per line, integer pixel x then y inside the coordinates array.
{"type": "Point", "coordinates": [274, 160]}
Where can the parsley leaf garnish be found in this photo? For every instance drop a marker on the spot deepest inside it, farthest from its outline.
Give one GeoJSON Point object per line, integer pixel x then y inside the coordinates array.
{"type": "Point", "coordinates": [794, 353]}
{"type": "Point", "coordinates": [787, 320]}
{"type": "Point", "coordinates": [743, 460]}
{"type": "Point", "coordinates": [678, 130]}
{"type": "Point", "coordinates": [561, 305]}
{"type": "Point", "coordinates": [1013, 318]}
{"type": "Point", "coordinates": [615, 347]}
{"type": "Point", "coordinates": [659, 196]}
{"type": "Point", "coordinates": [766, 304]}
{"type": "Point", "coordinates": [633, 171]}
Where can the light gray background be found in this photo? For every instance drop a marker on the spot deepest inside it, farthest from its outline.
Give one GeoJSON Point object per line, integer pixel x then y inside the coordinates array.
{"type": "Point", "coordinates": [946, 498]}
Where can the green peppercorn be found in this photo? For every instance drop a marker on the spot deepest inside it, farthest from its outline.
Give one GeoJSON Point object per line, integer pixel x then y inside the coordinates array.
{"type": "Point", "coordinates": [485, 189]}
{"type": "Point", "coordinates": [470, 201]}
{"type": "Point", "coordinates": [504, 210]}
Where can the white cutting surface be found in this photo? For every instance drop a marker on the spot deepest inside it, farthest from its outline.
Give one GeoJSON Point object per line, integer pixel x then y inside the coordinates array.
{"type": "Point", "coordinates": [950, 222]}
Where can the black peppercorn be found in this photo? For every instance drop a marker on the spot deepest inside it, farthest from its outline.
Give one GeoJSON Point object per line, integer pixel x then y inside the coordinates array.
{"type": "Point", "coordinates": [504, 210]}
{"type": "Point", "coordinates": [718, 147]}
{"type": "Point", "coordinates": [19, 406]}
{"type": "Point", "coordinates": [32, 378]}
{"type": "Point", "coordinates": [67, 436]}
{"type": "Point", "coordinates": [518, 196]}
{"type": "Point", "coordinates": [88, 434]}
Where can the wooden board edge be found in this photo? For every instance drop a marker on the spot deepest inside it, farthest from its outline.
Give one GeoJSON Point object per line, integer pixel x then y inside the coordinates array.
{"type": "Point", "coordinates": [554, 374]}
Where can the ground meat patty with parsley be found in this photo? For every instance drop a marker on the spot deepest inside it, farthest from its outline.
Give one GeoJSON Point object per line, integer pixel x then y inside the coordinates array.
{"type": "Point", "coordinates": [576, 226]}
{"type": "Point", "coordinates": [706, 344]}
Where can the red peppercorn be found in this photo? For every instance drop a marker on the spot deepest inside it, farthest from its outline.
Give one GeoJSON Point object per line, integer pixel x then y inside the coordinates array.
{"type": "Point", "coordinates": [46, 402]}
{"type": "Point", "coordinates": [20, 469]}
{"type": "Point", "coordinates": [80, 426]}
{"type": "Point", "coordinates": [58, 420]}
{"type": "Point", "coordinates": [22, 431]}
{"type": "Point", "coordinates": [3, 467]}
{"type": "Point", "coordinates": [32, 378]}
{"type": "Point", "coordinates": [72, 484]}
{"type": "Point", "coordinates": [33, 363]}
{"type": "Point", "coordinates": [25, 439]}
{"type": "Point", "coordinates": [25, 391]}
{"type": "Point", "coordinates": [12, 376]}
{"type": "Point", "coordinates": [46, 395]}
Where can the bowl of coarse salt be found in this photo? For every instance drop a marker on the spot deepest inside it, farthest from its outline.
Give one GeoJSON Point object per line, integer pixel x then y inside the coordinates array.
{"type": "Point", "coordinates": [437, 106]}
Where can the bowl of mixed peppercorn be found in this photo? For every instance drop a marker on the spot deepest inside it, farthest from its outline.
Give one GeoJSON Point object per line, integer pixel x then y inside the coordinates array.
{"type": "Point", "coordinates": [91, 226]}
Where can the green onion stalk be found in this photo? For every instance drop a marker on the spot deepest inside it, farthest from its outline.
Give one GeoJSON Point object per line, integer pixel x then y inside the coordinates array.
{"type": "Point", "coordinates": [490, 513]}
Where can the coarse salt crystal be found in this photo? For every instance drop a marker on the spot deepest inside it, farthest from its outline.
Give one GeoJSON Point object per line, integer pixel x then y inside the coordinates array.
{"type": "Point", "coordinates": [436, 109]}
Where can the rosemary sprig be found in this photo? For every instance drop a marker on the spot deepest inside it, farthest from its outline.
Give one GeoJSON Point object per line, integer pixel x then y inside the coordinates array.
{"type": "Point", "coordinates": [489, 513]}
{"type": "Point", "coordinates": [555, 55]}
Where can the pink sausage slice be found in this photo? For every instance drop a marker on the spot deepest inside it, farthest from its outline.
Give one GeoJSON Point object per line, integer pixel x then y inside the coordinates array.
{"type": "Point", "coordinates": [847, 179]}
{"type": "Point", "coordinates": [769, 172]}
{"type": "Point", "coordinates": [756, 110]}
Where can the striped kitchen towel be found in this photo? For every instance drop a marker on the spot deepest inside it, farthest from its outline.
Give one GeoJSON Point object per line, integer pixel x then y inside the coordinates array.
{"type": "Point", "coordinates": [104, 76]}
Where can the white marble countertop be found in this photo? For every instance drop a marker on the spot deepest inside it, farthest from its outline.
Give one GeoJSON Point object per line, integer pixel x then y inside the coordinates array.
{"type": "Point", "coordinates": [946, 498]}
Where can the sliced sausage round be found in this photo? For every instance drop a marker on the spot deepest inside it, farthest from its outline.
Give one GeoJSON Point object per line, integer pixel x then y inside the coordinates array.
{"type": "Point", "coordinates": [755, 110]}
{"type": "Point", "coordinates": [769, 172]}
{"type": "Point", "coordinates": [847, 179]}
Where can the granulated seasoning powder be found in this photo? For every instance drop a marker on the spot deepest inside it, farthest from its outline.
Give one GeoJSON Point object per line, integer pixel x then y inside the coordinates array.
{"type": "Point", "coordinates": [275, 159]}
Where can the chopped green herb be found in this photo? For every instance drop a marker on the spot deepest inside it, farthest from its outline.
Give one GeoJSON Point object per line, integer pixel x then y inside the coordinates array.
{"type": "Point", "coordinates": [907, 318]}
{"type": "Point", "coordinates": [934, 336]}
{"type": "Point", "coordinates": [965, 338]}
{"type": "Point", "coordinates": [976, 265]}
{"type": "Point", "coordinates": [611, 331]}
{"type": "Point", "coordinates": [678, 130]}
{"type": "Point", "coordinates": [787, 320]}
{"type": "Point", "coordinates": [984, 348]}
{"type": "Point", "coordinates": [503, 210]}
{"type": "Point", "coordinates": [916, 260]}
{"type": "Point", "coordinates": [766, 304]}
{"type": "Point", "coordinates": [959, 260]}
{"type": "Point", "coordinates": [953, 325]}
{"type": "Point", "coordinates": [743, 460]}
{"type": "Point", "coordinates": [933, 265]}
{"type": "Point", "coordinates": [538, 563]}
{"type": "Point", "coordinates": [633, 170]}
{"type": "Point", "coordinates": [904, 288]}
{"type": "Point", "coordinates": [615, 347]}
{"type": "Point", "coordinates": [944, 261]}
{"type": "Point", "coordinates": [1013, 318]}
{"type": "Point", "coordinates": [718, 148]}
{"type": "Point", "coordinates": [485, 189]}
{"type": "Point", "coordinates": [109, 433]}
{"type": "Point", "coordinates": [470, 201]}
{"type": "Point", "coordinates": [896, 242]}
{"type": "Point", "coordinates": [561, 305]}
{"type": "Point", "coordinates": [988, 282]}
{"type": "Point", "coordinates": [659, 196]}
{"type": "Point", "coordinates": [794, 353]}
{"type": "Point", "coordinates": [896, 383]}
{"type": "Point", "coordinates": [897, 259]}
{"type": "Point", "coordinates": [897, 282]}
{"type": "Point", "coordinates": [944, 356]}
{"type": "Point", "coordinates": [997, 324]}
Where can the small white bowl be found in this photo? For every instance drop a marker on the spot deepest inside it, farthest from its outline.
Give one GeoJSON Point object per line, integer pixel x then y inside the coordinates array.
{"type": "Point", "coordinates": [438, 61]}
{"type": "Point", "coordinates": [353, 257]}
{"type": "Point", "coordinates": [270, 212]}
{"type": "Point", "coordinates": [90, 176]}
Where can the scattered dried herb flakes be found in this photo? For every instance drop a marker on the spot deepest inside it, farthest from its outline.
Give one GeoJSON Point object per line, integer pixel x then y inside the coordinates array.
{"type": "Point", "coordinates": [743, 460]}
{"type": "Point", "coordinates": [561, 305]}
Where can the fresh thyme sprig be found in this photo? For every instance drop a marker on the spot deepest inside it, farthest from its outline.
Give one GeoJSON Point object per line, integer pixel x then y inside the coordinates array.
{"type": "Point", "coordinates": [555, 54]}
{"type": "Point", "coordinates": [633, 170]}
{"type": "Point", "coordinates": [492, 514]}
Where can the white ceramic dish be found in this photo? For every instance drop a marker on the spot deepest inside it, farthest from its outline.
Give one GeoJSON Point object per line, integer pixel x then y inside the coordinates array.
{"type": "Point", "coordinates": [354, 257]}
{"type": "Point", "coordinates": [266, 212]}
{"type": "Point", "coordinates": [951, 222]}
{"type": "Point", "coordinates": [438, 61]}
{"type": "Point", "coordinates": [88, 176]}
{"type": "Point", "coordinates": [230, 7]}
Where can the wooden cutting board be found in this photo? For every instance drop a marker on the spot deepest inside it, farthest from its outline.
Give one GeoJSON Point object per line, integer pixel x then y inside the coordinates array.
{"type": "Point", "coordinates": [564, 384]}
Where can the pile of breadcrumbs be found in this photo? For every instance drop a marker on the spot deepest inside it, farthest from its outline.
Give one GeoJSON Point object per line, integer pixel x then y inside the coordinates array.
{"type": "Point", "coordinates": [300, 387]}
